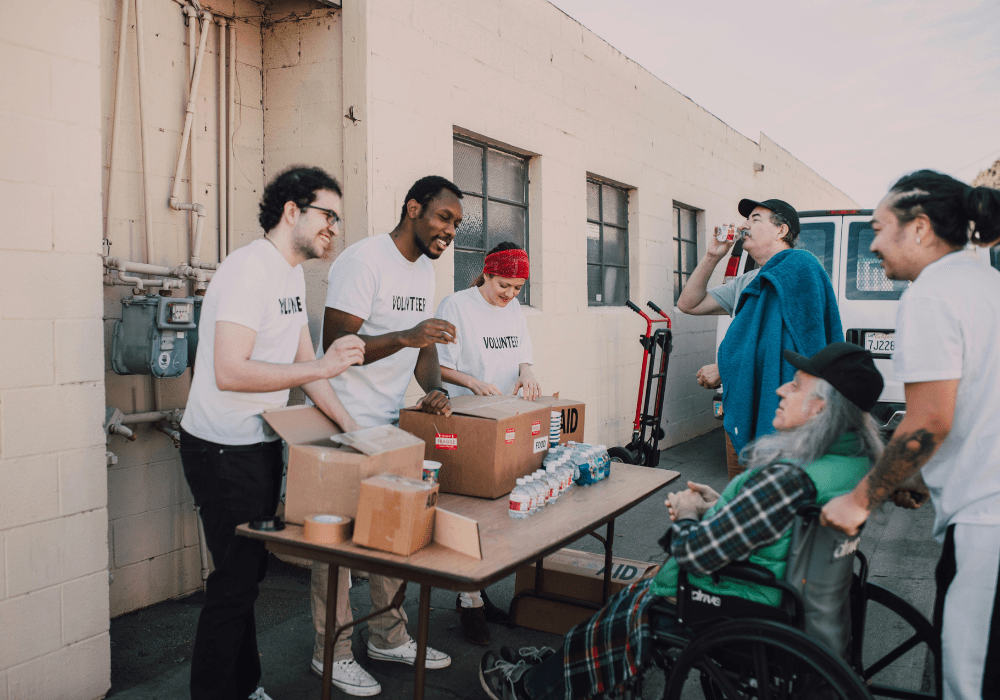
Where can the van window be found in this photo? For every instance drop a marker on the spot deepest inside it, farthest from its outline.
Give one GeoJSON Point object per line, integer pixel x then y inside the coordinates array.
{"type": "Point", "coordinates": [865, 277]}
{"type": "Point", "coordinates": [817, 238]}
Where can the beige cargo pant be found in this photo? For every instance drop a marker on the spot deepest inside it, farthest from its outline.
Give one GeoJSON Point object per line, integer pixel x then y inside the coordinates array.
{"type": "Point", "coordinates": [386, 631]}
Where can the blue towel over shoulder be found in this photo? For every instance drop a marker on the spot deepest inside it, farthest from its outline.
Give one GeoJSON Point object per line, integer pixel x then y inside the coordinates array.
{"type": "Point", "coordinates": [790, 305]}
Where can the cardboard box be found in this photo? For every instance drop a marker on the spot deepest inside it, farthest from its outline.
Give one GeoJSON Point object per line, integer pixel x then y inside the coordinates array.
{"type": "Point", "coordinates": [485, 444]}
{"type": "Point", "coordinates": [574, 574]}
{"type": "Point", "coordinates": [573, 416]}
{"type": "Point", "coordinates": [395, 514]}
{"type": "Point", "coordinates": [324, 477]}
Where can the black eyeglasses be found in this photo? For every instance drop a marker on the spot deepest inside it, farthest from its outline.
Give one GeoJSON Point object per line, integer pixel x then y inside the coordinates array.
{"type": "Point", "coordinates": [332, 217]}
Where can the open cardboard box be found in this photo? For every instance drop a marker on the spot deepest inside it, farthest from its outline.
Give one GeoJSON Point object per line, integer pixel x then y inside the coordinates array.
{"type": "Point", "coordinates": [574, 574]}
{"type": "Point", "coordinates": [485, 444]}
{"type": "Point", "coordinates": [325, 477]}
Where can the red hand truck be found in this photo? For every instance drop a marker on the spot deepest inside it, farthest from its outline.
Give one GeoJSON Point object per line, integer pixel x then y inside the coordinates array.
{"type": "Point", "coordinates": [647, 429]}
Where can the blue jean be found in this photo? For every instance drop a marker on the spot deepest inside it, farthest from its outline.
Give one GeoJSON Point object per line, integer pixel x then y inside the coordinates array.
{"type": "Point", "coordinates": [231, 484]}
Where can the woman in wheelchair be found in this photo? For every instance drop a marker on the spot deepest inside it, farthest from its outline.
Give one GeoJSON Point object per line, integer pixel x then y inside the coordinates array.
{"type": "Point", "coordinates": [825, 443]}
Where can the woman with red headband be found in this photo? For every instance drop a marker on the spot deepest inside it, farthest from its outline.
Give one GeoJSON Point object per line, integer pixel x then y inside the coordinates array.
{"type": "Point", "coordinates": [491, 355]}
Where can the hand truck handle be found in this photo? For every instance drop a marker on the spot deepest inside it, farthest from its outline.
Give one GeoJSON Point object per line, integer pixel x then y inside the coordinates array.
{"type": "Point", "coordinates": [635, 308]}
{"type": "Point", "coordinates": [655, 308]}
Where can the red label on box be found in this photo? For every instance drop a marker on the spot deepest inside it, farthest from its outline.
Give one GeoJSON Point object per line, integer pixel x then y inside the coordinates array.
{"type": "Point", "coordinates": [536, 427]}
{"type": "Point", "coordinates": [446, 441]}
{"type": "Point", "coordinates": [509, 437]}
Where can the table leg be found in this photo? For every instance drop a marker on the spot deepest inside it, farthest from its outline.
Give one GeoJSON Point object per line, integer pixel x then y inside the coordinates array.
{"type": "Point", "coordinates": [331, 624]}
{"type": "Point", "coordinates": [423, 625]}
{"type": "Point", "coordinates": [609, 541]}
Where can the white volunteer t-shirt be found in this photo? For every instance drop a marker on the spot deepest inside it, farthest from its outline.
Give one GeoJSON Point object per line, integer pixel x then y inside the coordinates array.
{"type": "Point", "coordinates": [492, 340]}
{"type": "Point", "coordinates": [373, 281]}
{"type": "Point", "coordinates": [257, 288]}
{"type": "Point", "coordinates": [948, 327]}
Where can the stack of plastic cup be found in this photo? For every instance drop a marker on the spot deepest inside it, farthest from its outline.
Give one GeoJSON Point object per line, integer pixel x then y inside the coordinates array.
{"type": "Point", "coordinates": [555, 428]}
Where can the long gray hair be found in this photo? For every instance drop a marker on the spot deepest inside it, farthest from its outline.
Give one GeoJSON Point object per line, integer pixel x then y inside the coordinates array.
{"type": "Point", "coordinates": [810, 441]}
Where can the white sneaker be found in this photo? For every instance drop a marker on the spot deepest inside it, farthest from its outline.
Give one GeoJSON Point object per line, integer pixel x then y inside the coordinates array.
{"type": "Point", "coordinates": [259, 694]}
{"type": "Point", "coordinates": [349, 677]}
{"type": "Point", "coordinates": [407, 654]}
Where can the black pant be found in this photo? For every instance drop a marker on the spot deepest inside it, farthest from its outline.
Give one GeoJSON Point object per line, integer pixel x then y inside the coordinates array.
{"type": "Point", "coordinates": [232, 484]}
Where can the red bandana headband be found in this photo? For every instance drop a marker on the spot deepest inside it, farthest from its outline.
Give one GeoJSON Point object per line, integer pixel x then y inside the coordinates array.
{"type": "Point", "coordinates": [507, 263]}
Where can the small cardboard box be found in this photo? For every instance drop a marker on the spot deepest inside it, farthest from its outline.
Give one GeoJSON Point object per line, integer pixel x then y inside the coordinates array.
{"type": "Point", "coordinates": [395, 514]}
{"type": "Point", "coordinates": [485, 444]}
{"type": "Point", "coordinates": [574, 574]}
{"type": "Point", "coordinates": [573, 416]}
{"type": "Point", "coordinates": [325, 477]}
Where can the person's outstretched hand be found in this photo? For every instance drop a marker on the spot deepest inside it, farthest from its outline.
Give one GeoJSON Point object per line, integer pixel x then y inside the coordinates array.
{"type": "Point", "coordinates": [844, 514]}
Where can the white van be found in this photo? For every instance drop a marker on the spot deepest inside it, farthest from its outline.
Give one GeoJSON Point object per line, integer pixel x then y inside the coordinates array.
{"type": "Point", "coordinates": [866, 297]}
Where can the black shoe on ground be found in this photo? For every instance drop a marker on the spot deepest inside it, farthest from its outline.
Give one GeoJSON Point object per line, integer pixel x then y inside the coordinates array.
{"type": "Point", "coordinates": [493, 613]}
{"type": "Point", "coordinates": [501, 679]}
{"type": "Point", "coordinates": [474, 625]}
{"type": "Point", "coordinates": [529, 655]}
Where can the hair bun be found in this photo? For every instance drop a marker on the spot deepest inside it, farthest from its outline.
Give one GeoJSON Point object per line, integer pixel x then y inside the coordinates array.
{"type": "Point", "coordinates": [982, 206]}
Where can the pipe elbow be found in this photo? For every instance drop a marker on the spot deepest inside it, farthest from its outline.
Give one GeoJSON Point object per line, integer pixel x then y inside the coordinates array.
{"type": "Point", "coordinates": [190, 11]}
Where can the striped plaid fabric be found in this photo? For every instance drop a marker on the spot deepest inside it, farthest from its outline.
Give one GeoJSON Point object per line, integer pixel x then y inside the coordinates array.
{"type": "Point", "coordinates": [601, 655]}
{"type": "Point", "coordinates": [764, 508]}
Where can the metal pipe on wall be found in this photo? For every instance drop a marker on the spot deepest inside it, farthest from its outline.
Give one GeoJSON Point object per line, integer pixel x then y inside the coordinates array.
{"type": "Point", "coordinates": [116, 118]}
{"type": "Point", "coordinates": [230, 129]}
{"type": "Point", "coordinates": [190, 111]}
{"type": "Point", "coordinates": [193, 68]}
{"type": "Point", "coordinates": [143, 136]}
{"type": "Point", "coordinates": [223, 247]}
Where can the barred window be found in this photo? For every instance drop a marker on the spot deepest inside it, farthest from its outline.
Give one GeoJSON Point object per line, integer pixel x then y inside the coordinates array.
{"type": "Point", "coordinates": [607, 244]}
{"type": "Point", "coordinates": [495, 206]}
{"type": "Point", "coordinates": [686, 238]}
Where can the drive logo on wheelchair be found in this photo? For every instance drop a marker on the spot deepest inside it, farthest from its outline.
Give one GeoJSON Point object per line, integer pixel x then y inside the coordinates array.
{"type": "Point", "coordinates": [846, 548]}
{"type": "Point", "coordinates": [700, 596]}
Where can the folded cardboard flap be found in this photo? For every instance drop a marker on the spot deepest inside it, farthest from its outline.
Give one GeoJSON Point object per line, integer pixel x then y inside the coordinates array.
{"type": "Point", "coordinates": [457, 532]}
{"type": "Point", "coordinates": [376, 440]}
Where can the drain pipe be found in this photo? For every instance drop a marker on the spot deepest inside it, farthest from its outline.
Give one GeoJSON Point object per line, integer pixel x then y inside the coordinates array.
{"type": "Point", "coordinates": [143, 136]}
{"type": "Point", "coordinates": [193, 67]}
{"type": "Point", "coordinates": [231, 128]}
{"type": "Point", "coordinates": [223, 248]}
{"type": "Point", "coordinates": [116, 119]}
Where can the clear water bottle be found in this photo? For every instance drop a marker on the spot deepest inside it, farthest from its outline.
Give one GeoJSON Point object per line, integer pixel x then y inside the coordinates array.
{"type": "Point", "coordinates": [606, 459]}
{"type": "Point", "coordinates": [550, 478]}
{"type": "Point", "coordinates": [529, 484]}
{"type": "Point", "coordinates": [543, 482]}
{"type": "Point", "coordinates": [520, 502]}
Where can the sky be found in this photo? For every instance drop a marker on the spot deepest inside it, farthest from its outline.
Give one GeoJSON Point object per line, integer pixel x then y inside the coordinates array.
{"type": "Point", "coordinates": [861, 91]}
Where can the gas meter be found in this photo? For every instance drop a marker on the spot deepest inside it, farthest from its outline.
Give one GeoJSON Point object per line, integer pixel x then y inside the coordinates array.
{"type": "Point", "coordinates": [151, 337]}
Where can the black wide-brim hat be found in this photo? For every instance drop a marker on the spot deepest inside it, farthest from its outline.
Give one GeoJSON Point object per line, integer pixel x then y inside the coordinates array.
{"type": "Point", "coordinates": [849, 368]}
{"type": "Point", "coordinates": [746, 207]}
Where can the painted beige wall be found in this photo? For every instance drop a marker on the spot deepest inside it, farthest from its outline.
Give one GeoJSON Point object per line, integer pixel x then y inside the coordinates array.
{"type": "Point", "coordinates": [53, 495]}
{"type": "Point", "coordinates": [152, 531]}
{"type": "Point", "coordinates": [523, 73]}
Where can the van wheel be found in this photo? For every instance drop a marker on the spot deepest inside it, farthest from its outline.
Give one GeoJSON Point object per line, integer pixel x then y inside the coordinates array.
{"type": "Point", "coordinates": [622, 455]}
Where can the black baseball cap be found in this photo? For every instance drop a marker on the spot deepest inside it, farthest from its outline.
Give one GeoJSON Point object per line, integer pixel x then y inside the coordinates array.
{"type": "Point", "coordinates": [746, 207]}
{"type": "Point", "coordinates": [848, 367]}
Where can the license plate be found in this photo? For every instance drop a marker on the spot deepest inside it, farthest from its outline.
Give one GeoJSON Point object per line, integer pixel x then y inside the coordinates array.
{"type": "Point", "coordinates": [880, 343]}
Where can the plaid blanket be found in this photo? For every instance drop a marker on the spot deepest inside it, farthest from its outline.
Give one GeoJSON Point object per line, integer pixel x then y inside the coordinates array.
{"type": "Point", "coordinates": [603, 654]}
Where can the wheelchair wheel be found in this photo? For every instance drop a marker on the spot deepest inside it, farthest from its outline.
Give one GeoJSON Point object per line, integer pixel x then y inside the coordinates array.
{"type": "Point", "coordinates": [922, 633]}
{"type": "Point", "coordinates": [756, 658]}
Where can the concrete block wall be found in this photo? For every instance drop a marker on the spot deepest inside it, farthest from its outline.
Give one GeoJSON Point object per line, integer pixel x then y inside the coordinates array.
{"type": "Point", "coordinates": [523, 73]}
{"type": "Point", "coordinates": [152, 529]}
{"type": "Point", "coordinates": [53, 493]}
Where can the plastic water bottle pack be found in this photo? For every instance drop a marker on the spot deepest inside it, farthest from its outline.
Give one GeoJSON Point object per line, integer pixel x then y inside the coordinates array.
{"type": "Point", "coordinates": [565, 466]}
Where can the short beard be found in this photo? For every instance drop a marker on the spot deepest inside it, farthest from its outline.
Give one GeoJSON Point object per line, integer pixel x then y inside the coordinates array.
{"type": "Point", "coordinates": [424, 248]}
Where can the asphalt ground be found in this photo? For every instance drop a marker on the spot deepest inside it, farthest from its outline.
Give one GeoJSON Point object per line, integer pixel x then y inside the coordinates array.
{"type": "Point", "coordinates": [151, 648]}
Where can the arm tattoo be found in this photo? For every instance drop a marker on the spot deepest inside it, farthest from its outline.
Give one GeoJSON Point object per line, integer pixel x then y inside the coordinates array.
{"type": "Point", "coordinates": [904, 456]}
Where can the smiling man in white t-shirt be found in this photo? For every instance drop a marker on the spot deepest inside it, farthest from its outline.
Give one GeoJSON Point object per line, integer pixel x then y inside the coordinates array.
{"type": "Point", "coordinates": [382, 289]}
{"type": "Point", "coordinates": [254, 346]}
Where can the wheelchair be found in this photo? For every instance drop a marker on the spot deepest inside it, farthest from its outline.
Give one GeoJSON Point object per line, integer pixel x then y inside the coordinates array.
{"type": "Point", "coordinates": [811, 646]}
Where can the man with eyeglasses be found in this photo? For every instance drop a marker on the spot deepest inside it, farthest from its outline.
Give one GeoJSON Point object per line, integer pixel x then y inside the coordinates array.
{"type": "Point", "coordinates": [382, 289]}
{"type": "Point", "coordinates": [254, 346]}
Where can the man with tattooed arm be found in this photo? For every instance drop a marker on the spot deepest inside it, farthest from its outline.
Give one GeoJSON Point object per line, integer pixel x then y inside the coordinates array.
{"type": "Point", "coordinates": [948, 445]}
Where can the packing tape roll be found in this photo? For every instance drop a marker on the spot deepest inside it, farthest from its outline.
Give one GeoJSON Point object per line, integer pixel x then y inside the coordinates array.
{"type": "Point", "coordinates": [323, 528]}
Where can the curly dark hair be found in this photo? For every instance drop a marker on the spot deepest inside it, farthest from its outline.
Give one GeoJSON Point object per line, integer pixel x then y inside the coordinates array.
{"type": "Point", "coordinates": [427, 188]}
{"type": "Point", "coordinates": [297, 184]}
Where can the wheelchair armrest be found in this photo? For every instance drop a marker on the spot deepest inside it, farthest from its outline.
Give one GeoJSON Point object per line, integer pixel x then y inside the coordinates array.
{"type": "Point", "coordinates": [748, 571]}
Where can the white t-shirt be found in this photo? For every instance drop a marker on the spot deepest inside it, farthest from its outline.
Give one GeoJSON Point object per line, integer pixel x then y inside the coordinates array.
{"type": "Point", "coordinates": [492, 341]}
{"type": "Point", "coordinates": [257, 288]}
{"type": "Point", "coordinates": [373, 281]}
{"type": "Point", "coordinates": [948, 327]}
